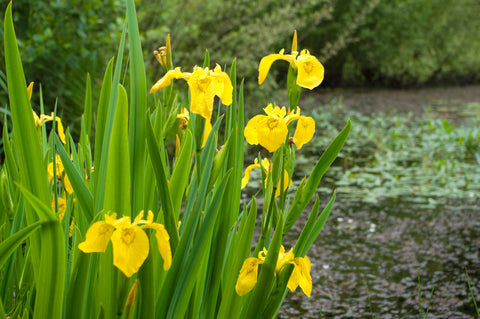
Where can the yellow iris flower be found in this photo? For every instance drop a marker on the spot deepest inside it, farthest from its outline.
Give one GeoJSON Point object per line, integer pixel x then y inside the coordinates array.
{"type": "Point", "coordinates": [266, 165]}
{"type": "Point", "coordinates": [300, 276]}
{"type": "Point", "coordinates": [62, 207]}
{"type": "Point", "coordinates": [310, 71]}
{"type": "Point", "coordinates": [204, 85]}
{"type": "Point", "coordinates": [129, 241]}
{"type": "Point", "coordinates": [271, 130]}
{"type": "Point", "coordinates": [184, 117]}
{"type": "Point", "coordinates": [42, 119]}
{"type": "Point", "coordinates": [60, 172]}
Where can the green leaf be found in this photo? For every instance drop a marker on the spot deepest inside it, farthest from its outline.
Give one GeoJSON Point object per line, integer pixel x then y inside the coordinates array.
{"type": "Point", "coordinates": [190, 268]}
{"type": "Point", "coordinates": [181, 171]}
{"type": "Point", "coordinates": [318, 226]}
{"type": "Point", "coordinates": [294, 91]}
{"type": "Point", "coordinates": [190, 221]}
{"type": "Point", "coordinates": [302, 197]}
{"type": "Point", "coordinates": [239, 251]}
{"type": "Point", "coordinates": [101, 166]}
{"type": "Point", "coordinates": [138, 102]}
{"type": "Point", "coordinates": [2, 311]}
{"type": "Point", "coordinates": [162, 185]}
{"type": "Point", "coordinates": [47, 245]}
{"type": "Point", "coordinates": [87, 111]}
{"type": "Point", "coordinates": [102, 111]}
{"type": "Point", "coordinates": [10, 164]}
{"type": "Point", "coordinates": [8, 246]}
{"type": "Point", "coordinates": [266, 276]}
{"type": "Point", "coordinates": [43, 211]}
{"type": "Point", "coordinates": [30, 159]}
{"type": "Point", "coordinates": [83, 194]}
{"type": "Point", "coordinates": [117, 188]}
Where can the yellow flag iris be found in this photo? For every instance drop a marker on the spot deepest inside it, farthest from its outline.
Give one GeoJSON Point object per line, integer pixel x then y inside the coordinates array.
{"type": "Point", "coordinates": [271, 130]}
{"type": "Point", "coordinates": [204, 85]}
{"type": "Point", "coordinates": [184, 117]}
{"type": "Point", "coordinates": [60, 174]}
{"type": "Point", "coordinates": [300, 276]}
{"type": "Point", "coordinates": [266, 165]}
{"type": "Point", "coordinates": [310, 71]}
{"type": "Point", "coordinates": [130, 243]}
{"type": "Point", "coordinates": [42, 119]}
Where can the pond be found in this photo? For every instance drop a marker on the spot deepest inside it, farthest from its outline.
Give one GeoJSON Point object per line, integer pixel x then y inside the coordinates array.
{"type": "Point", "coordinates": [401, 228]}
{"type": "Point", "coordinates": [369, 259]}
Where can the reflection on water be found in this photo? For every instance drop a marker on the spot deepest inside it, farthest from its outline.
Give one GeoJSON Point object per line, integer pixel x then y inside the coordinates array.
{"type": "Point", "coordinates": [368, 257]}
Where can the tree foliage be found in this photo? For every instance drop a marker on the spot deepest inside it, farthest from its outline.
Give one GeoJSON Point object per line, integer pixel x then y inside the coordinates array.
{"type": "Point", "coordinates": [361, 42]}
{"type": "Point", "coordinates": [60, 41]}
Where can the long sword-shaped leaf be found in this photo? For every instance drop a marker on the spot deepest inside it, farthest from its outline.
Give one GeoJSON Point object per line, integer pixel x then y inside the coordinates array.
{"type": "Point", "coordinates": [302, 197]}
{"type": "Point", "coordinates": [8, 246]}
{"type": "Point", "coordinates": [102, 111]}
{"type": "Point", "coordinates": [191, 219]}
{"type": "Point", "coordinates": [47, 245]}
{"type": "Point", "coordinates": [240, 250]}
{"type": "Point", "coordinates": [162, 185]}
{"type": "Point", "coordinates": [266, 277]}
{"type": "Point", "coordinates": [85, 198]}
{"type": "Point", "coordinates": [189, 272]}
{"type": "Point", "coordinates": [117, 188]}
{"type": "Point", "coordinates": [87, 111]}
{"type": "Point", "coordinates": [180, 174]}
{"type": "Point", "coordinates": [138, 102]}
{"type": "Point", "coordinates": [101, 166]}
{"type": "Point", "coordinates": [10, 164]}
{"type": "Point", "coordinates": [315, 230]}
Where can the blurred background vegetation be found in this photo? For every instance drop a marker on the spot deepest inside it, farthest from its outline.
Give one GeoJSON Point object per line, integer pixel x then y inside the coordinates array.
{"type": "Point", "coordinates": [362, 43]}
{"type": "Point", "coordinates": [60, 41]}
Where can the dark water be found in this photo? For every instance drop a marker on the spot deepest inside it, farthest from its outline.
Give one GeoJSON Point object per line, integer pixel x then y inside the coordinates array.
{"type": "Point", "coordinates": [368, 258]}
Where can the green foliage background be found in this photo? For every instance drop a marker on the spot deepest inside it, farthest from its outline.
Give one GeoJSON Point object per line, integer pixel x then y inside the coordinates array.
{"type": "Point", "coordinates": [60, 41]}
{"type": "Point", "coordinates": [360, 42]}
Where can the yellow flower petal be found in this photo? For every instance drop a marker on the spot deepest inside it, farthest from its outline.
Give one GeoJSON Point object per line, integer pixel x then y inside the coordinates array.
{"type": "Point", "coordinates": [275, 111]}
{"type": "Point", "coordinates": [287, 182]}
{"type": "Point", "coordinates": [60, 130]}
{"type": "Point", "coordinates": [284, 258]}
{"type": "Point", "coordinates": [310, 71]}
{"type": "Point", "coordinates": [67, 185]}
{"type": "Point", "coordinates": [110, 218]}
{"type": "Point", "coordinates": [97, 237]}
{"type": "Point", "coordinates": [130, 249]}
{"type": "Point", "coordinates": [266, 164]}
{"type": "Point", "coordinates": [248, 170]}
{"type": "Point", "coordinates": [202, 91]}
{"type": "Point", "coordinates": [224, 88]}
{"type": "Point", "coordinates": [294, 42]}
{"type": "Point", "coordinates": [36, 119]}
{"type": "Point", "coordinates": [250, 131]}
{"type": "Point", "coordinates": [271, 133]}
{"type": "Point", "coordinates": [301, 276]}
{"type": "Point", "coordinates": [62, 207]}
{"type": "Point", "coordinates": [163, 243]}
{"type": "Point", "coordinates": [30, 90]}
{"type": "Point", "coordinates": [161, 234]}
{"type": "Point", "coordinates": [184, 114]}
{"type": "Point", "coordinates": [304, 131]}
{"type": "Point", "coordinates": [266, 63]}
{"type": "Point", "coordinates": [248, 276]}
{"type": "Point", "coordinates": [292, 115]}
{"type": "Point", "coordinates": [58, 170]}
{"type": "Point", "coordinates": [206, 131]}
{"type": "Point", "coordinates": [166, 80]}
